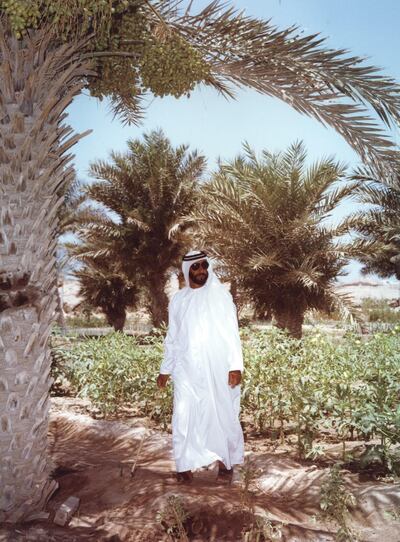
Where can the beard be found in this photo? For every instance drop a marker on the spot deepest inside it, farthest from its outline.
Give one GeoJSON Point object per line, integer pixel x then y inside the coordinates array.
{"type": "Point", "coordinates": [200, 278]}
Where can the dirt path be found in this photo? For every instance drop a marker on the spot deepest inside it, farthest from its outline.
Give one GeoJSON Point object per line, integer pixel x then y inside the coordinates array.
{"type": "Point", "coordinates": [93, 460]}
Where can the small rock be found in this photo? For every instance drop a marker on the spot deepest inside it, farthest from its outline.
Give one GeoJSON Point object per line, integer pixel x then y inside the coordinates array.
{"type": "Point", "coordinates": [66, 511]}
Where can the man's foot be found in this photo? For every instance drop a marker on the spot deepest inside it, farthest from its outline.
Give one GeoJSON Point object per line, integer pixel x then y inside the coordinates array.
{"type": "Point", "coordinates": [223, 472]}
{"type": "Point", "coordinates": [184, 477]}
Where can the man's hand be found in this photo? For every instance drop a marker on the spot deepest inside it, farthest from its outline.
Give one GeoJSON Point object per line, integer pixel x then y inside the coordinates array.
{"type": "Point", "coordinates": [162, 381]}
{"type": "Point", "coordinates": [234, 379]}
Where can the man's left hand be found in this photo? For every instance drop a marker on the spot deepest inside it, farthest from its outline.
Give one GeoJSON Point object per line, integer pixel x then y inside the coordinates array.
{"type": "Point", "coordinates": [234, 379]}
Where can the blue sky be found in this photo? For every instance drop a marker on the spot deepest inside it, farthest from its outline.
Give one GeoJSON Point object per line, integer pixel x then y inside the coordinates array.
{"type": "Point", "coordinates": [217, 127]}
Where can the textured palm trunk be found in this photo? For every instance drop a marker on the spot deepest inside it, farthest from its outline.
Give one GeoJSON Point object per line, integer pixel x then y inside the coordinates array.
{"type": "Point", "coordinates": [291, 320]}
{"type": "Point", "coordinates": [158, 300]}
{"type": "Point", "coordinates": [37, 83]}
{"type": "Point", "coordinates": [115, 318]}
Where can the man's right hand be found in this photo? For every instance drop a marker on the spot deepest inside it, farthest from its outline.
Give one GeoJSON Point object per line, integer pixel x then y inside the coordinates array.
{"type": "Point", "coordinates": [162, 381]}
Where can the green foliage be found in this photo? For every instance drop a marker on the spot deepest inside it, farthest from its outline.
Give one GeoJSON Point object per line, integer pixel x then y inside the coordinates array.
{"type": "Point", "coordinates": [264, 218]}
{"type": "Point", "coordinates": [175, 45]}
{"type": "Point", "coordinates": [119, 76]}
{"type": "Point", "coordinates": [148, 191]}
{"type": "Point", "coordinates": [380, 457]}
{"type": "Point", "coordinates": [70, 16]}
{"type": "Point", "coordinates": [111, 292]}
{"type": "Point", "coordinates": [335, 502]}
{"type": "Point", "coordinates": [85, 321]}
{"type": "Point", "coordinates": [173, 517]}
{"type": "Point", "coordinates": [351, 389]}
{"type": "Point", "coordinates": [116, 371]}
{"type": "Point", "coordinates": [259, 528]}
{"type": "Point", "coordinates": [22, 14]}
{"type": "Point", "coordinates": [378, 310]}
{"type": "Point", "coordinates": [154, 57]}
{"type": "Point", "coordinates": [377, 225]}
{"type": "Point", "coordinates": [248, 474]}
{"type": "Point", "coordinates": [315, 384]}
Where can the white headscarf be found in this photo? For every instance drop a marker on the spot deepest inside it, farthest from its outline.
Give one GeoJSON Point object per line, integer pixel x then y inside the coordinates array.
{"type": "Point", "coordinates": [196, 256]}
{"type": "Point", "coordinates": [210, 307]}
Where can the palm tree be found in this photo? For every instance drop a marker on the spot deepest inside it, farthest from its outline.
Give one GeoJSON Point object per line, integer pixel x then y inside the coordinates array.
{"type": "Point", "coordinates": [265, 220]}
{"type": "Point", "coordinates": [111, 292]}
{"type": "Point", "coordinates": [123, 49]}
{"type": "Point", "coordinates": [147, 189]}
{"type": "Point", "coordinates": [377, 226]}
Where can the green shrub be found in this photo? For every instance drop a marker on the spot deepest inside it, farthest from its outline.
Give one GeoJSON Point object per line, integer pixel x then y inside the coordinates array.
{"type": "Point", "coordinates": [378, 310]}
{"type": "Point", "coordinates": [115, 371]}
{"type": "Point", "coordinates": [351, 388]}
{"type": "Point", "coordinates": [336, 501]}
{"type": "Point", "coordinates": [84, 321]}
{"type": "Point", "coordinates": [348, 387]}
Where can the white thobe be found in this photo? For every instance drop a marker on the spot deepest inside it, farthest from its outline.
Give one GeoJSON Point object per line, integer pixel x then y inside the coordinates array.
{"type": "Point", "coordinates": [201, 347]}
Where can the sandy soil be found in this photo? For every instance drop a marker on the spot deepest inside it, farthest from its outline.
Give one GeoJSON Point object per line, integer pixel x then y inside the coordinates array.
{"type": "Point", "coordinates": [93, 461]}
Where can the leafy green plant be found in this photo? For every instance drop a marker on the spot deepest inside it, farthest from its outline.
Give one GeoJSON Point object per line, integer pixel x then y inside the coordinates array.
{"type": "Point", "coordinates": [116, 371]}
{"type": "Point", "coordinates": [84, 321]}
{"type": "Point", "coordinates": [258, 528]}
{"type": "Point", "coordinates": [351, 388]}
{"type": "Point", "coordinates": [393, 514]}
{"type": "Point", "coordinates": [262, 530]}
{"type": "Point", "coordinates": [248, 474]}
{"type": "Point", "coordinates": [172, 518]}
{"type": "Point", "coordinates": [264, 218]}
{"type": "Point", "coordinates": [336, 500]}
{"type": "Point", "coordinates": [380, 457]}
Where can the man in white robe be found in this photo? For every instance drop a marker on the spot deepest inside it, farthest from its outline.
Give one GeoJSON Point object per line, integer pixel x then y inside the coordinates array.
{"type": "Point", "coordinates": [203, 354]}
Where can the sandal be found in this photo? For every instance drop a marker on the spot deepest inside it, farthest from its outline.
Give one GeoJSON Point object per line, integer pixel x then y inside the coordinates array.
{"type": "Point", "coordinates": [223, 472]}
{"type": "Point", "coordinates": [185, 477]}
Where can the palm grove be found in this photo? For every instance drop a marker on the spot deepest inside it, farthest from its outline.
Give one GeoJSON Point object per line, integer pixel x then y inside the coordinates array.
{"type": "Point", "coordinates": [50, 50]}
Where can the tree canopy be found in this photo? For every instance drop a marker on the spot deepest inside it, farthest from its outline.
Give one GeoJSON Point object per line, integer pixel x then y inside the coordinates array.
{"type": "Point", "coordinates": [377, 225]}
{"type": "Point", "coordinates": [165, 47]}
{"type": "Point", "coordinates": [264, 218]}
{"type": "Point", "coordinates": [143, 194]}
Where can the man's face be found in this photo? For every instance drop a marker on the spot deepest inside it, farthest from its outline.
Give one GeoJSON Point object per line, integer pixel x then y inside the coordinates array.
{"type": "Point", "coordinates": [198, 272]}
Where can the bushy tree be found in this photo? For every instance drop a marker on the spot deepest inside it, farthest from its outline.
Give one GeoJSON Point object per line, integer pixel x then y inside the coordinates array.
{"type": "Point", "coordinates": [377, 224]}
{"type": "Point", "coordinates": [111, 292]}
{"type": "Point", "coordinates": [265, 220]}
{"type": "Point", "coordinates": [144, 193]}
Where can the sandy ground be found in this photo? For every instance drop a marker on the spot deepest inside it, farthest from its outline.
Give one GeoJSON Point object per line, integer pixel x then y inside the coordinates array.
{"type": "Point", "coordinates": [93, 461]}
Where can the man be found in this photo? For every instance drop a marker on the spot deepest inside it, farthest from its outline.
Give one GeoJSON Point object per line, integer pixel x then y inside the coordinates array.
{"type": "Point", "coordinates": [202, 352]}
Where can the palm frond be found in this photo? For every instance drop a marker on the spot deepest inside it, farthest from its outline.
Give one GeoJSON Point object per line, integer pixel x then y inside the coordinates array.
{"type": "Point", "coordinates": [127, 107]}
{"type": "Point", "coordinates": [330, 85]}
{"type": "Point", "coordinates": [307, 276]}
{"type": "Point", "coordinates": [184, 222]}
{"type": "Point", "coordinates": [330, 199]}
{"type": "Point", "coordinates": [336, 88]}
{"type": "Point", "coordinates": [264, 261]}
{"type": "Point", "coordinates": [345, 305]}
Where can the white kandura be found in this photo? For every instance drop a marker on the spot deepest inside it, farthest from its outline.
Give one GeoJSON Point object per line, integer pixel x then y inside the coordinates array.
{"type": "Point", "coordinates": [201, 347]}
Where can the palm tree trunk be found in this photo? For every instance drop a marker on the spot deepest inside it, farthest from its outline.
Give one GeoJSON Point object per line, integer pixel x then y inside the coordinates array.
{"type": "Point", "coordinates": [158, 300]}
{"type": "Point", "coordinates": [116, 319]}
{"type": "Point", "coordinates": [290, 320]}
{"type": "Point", "coordinates": [37, 83]}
